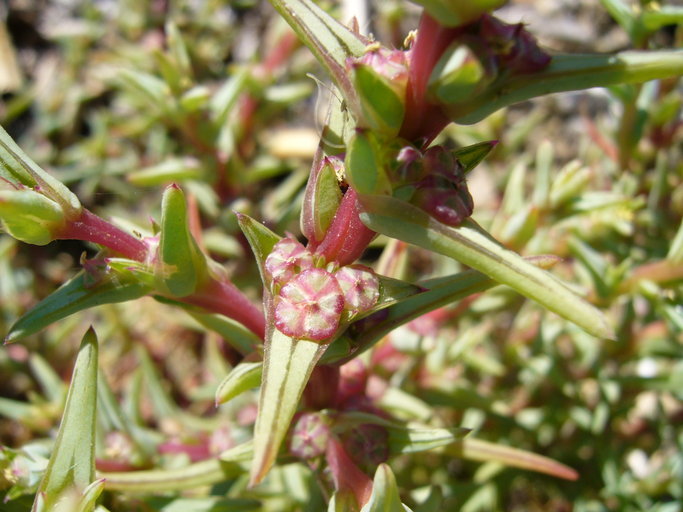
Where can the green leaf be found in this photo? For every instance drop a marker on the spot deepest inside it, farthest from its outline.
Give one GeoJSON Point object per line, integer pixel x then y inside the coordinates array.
{"type": "Point", "coordinates": [471, 156]}
{"type": "Point", "coordinates": [385, 496]}
{"type": "Point", "coordinates": [321, 199]}
{"type": "Point", "coordinates": [457, 74]}
{"type": "Point", "coordinates": [363, 334]}
{"type": "Point", "coordinates": [72, 464]}
{"type": "Point", "coordinates": [30, 217]}
{"type": "Point", "coordinates": [475, 248]}
{"type": "Point", "coordinates": [288, 364]}
{"type": "Point", "coordinates": [243, 377]}
{"type": "Point", "coordinates": [328, 40]}
{"type": "Point", "coordinates": [174, 169]}
{"type": "Point", "coordinates": [567, 73]}
{"type": "Point", "coordinates": [231, 463]}
{"type": "Point", "coordinates": [406, 438]}
{"type": "Point", "coordinates": [382, 107]}
{"type": "Point", "coordinates": [658, 16]}
{"type": "Point", "coordinates": [17, 168]}
{"type": "Point", "coordinates": [76, 295]}
{"type": "Point", "coordinates": [234, 333]}
{"type": "Point", "coordinates": [476, 449]}
{"type": "Point", "coordinates": [261, 239]}
{"type": "Point", "coordinates": [182, 267]}
{"type": "Point", "coordinates": [364, 165]}
{"type": "Point", "coordinates": [454, 13]}
{"type": "Point", "coordinates": [623, 14]}
{"type": "Point", "coordinates": [208, 504]}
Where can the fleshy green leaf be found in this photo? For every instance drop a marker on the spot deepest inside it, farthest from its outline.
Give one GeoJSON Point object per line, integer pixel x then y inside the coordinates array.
{"type": "Point", "coordinates": [385, 496]}
{"type": "Point", "coordinates": [182, 266]}
{"type": "Point", "coordinates": [567, 73]}
{"type": "Point", "coordinates": [471, 156]}
{"type": "Point", "coordinates": [76, 295]}
{"type": "Point", "coordinates": [381, 106]}
{"type": "Point", "coordinates": [17, 168]}
{"type": "Point", "coordinates": [476, 449]}
{"type": "Point", "coordinates": [208, 472]}
{"type": "Point", "coordinates": [439, 292]}
{"type": "Point", "coordinates": [407, 438]}
{"type": "Point", "coordinates": [321, 199]}
{"type": "Point", "coordinates": [363, 165]}
{"type": "Point", "coordinates": [453, 13]}
{"type": "Point", "coordinates": [261, 239]}
{"type": "Point", "coordinates": [175, 169]}
{"type": "Point", "coordinates": [476, 249]}
{"type": "Point", "coordinates": [72, 465]}
{"type": "Point", "coordinates": [30, 217]}
{"type": "Point", "coordinates": [288, 364]}
{"type": "Point", "coordinates": [234, 333]}
{"type": "Point", "coordinates": [241, 378]}
{"type": "Point", "coordinates": [328, 40]}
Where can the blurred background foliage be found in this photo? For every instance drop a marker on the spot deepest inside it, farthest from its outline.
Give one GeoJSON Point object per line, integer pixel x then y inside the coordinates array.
{"type": "Point", "coordinates": [119, 98]}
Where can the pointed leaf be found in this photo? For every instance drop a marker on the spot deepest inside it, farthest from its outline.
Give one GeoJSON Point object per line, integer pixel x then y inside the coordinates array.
{"type": "Point", "coordinates": [385, 496]}
{"type": "Point", "coordinates": [30, 217]}
{"type": "Point", "coordinates": [381, 105]}
{"type": "Point", "coordinates": [261, 239]}
{"type": "Point", "coordinates": [182, 266]}
{"type": "Point", "coordinates": [476, 449]}
{"type": "Point", "coordinates": [76, 295]}
{"type": "Point", "coordinates": [243, 377]}
{"type": "Point", "coordinates": [439, 292]}
{"type": "Point", "coordinates": [72, 464]}
{"type": "Point", "coordinates": [477, 249]}
{"type": "Point", "coordinates": [231, 463]}
{"type": "Point", "coordinates": [16, 167]}
{"type": "Point", "coordinates": [287, 367]}
{"type": "Point", "coordinates": [453, 13]}
{"type": "Point", "coordinates": [234, 333]}
{"type": "Point", "coordinates": [567, 73]}
{"type": "Point", "coordinates": [328, 40]}
{"type": "Point", "coordinates": [364, 165]}
{"type": "Point", "coordinates": [406, 438]}
{"type": "Point", "coordinates": [471, 156]}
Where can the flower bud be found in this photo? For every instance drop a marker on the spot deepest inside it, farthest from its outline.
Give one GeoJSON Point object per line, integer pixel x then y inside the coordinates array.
{"type": "Point", "coordinates": [310, 436]}
{"type": "Point", "coordinates": [309, 306]}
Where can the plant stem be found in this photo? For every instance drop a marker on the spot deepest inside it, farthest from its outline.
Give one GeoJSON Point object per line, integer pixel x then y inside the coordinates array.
{"type": "Point", "coordinates": [91, 228]}
{"type": "Point", "coordinates": [347, 237]}
{"type": "Point", "coordinates": [224, 298]}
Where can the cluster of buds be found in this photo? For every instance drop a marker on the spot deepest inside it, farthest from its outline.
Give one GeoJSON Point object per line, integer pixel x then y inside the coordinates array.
{"type": "Point", "coordinates": [311, 296]}
{"type": "Point", "coordinates": [436, 181]}
{"type": "Point", "coordinates": [505, 47]}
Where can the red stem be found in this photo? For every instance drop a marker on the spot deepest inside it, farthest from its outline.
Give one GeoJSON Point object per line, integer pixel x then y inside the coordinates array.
{"type": "Point", "coordinates": [225, 298]}
{"type": "Point", "coordinates": [91, 228]}
{"type": "Point", "coordinates": [347, 237]}
{"type": "Point", "coordinates": [218, 297]}
{"type": "Point", "coordinates": [424, 120]}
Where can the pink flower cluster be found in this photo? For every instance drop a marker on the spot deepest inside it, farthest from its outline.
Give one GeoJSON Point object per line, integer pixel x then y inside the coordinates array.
{"type": "Point", "coordinates": [310, 300]}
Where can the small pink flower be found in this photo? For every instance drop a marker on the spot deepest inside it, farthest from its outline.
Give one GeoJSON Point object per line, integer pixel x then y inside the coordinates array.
{"type": "Point", "coordinates": [287, 259]}
{"type": "Point", "coordinates": [310, 305]}
{"type": "Point", "coordinates": [360, 286]}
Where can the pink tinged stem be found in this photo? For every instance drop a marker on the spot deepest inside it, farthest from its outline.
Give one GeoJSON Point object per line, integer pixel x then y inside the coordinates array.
{"type": "Point", "coordinates": [225, 298]}
{"type": "Point", "coordinates": [423, 119]}
{"type": "Point", "coordinates": [347, 237]}
{"type": "Point", "coordinates": [91, 228]}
